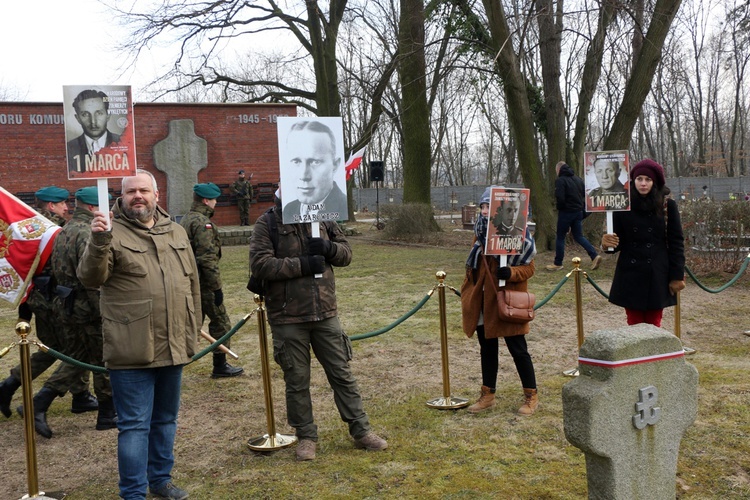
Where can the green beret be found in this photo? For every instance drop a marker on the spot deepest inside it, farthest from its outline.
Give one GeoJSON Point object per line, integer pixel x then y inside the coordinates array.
{"type": "Point", "coordinates": [208, 190]}
{"type": "Point", "coordinates": [53, 194]}
{"type": "Point", "coordinates": [89, 195]}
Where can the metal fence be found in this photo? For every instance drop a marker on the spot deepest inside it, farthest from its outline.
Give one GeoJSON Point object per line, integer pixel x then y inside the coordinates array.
{"type": "Point", "coordinates": [452, 198]}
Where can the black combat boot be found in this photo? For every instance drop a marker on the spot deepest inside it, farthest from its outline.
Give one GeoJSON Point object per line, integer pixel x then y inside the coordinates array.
{"type": "Point", "coordinates": [41, 403]}
{"type": "Point", "coordinates": [223, 369]}
{"type": "Point", "coordinates": [107, 417]}
{"type": "Point", "coordinates": [8, 387]}
{"type": "Point", "coordinates": [83, 402]}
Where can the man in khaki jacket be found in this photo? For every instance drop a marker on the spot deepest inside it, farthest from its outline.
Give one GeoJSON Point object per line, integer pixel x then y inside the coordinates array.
{"type": "Point", "coordinates": [151, 309]}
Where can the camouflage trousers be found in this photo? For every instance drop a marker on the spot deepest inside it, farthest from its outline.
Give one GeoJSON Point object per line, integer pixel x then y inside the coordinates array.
{"type": "Point", "coordinates": [84, 343]}
{"type": "Point", "coordinates": [66, 377]}
{"type": "Point", "coordinates": [243, 205]}
{"type": "Point", "coordinates": [218, 319]}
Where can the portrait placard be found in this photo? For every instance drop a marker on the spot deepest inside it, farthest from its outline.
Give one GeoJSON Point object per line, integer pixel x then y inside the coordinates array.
{"type": "Point", "coordinates": [607, 182]}
{"type": "Point", "coordinates": [509, 211]}
{"type": "Point", "coordinates": [313, 178]}
{"type": "Point", "coordinates": [99, 131]}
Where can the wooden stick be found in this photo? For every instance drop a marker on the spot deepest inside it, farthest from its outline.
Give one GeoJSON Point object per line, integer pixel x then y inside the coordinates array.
{"type": "Point", "coordinates": [222, 347]}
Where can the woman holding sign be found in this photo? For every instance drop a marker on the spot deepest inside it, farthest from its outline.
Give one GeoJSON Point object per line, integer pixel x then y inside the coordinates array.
{"type": "Point", "coordinates": [651, 267]}
{"type": "Point", "coordinates": [480, 313]}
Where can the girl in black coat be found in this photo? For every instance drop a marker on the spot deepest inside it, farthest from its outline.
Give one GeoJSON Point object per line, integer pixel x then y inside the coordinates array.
{"type": "Point", "coordinates": [651, 267]}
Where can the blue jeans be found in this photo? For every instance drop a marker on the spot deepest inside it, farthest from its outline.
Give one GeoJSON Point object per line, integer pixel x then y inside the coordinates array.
{"type": "Point", "coordinates": [147, 402]}
{"type": "Point", "coordinates": [574, 222]}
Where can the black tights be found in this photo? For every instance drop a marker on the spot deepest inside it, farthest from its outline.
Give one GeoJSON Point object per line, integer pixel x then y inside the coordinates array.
{"type": "Point", "coordinates": [489, 352]}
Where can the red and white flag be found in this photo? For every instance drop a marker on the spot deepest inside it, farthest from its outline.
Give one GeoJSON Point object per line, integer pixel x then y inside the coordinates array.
{"type": "Point", "coordinates": [353, 162]}
{"type": "Point", "coordinates": [26, 239]}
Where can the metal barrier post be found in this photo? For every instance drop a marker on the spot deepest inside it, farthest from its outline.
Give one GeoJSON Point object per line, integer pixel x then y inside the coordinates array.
{"type": "Point", "coordinates": [32, 478]}
{"type": "Point", "coordinates": [573, 372]}
{"type": "Point", "coordinates": [446, 402]}
{"type": "Point", "coordinates": [271, 441]}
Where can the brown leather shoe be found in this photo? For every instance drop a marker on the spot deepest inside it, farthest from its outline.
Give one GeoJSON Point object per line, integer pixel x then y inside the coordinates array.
{"type": "Point", "coordinates": [531, 401]}
{"type": "Point", "coordinates": [305, 450]}
{"type": "Point", "coordinates": [371, 442]}
{"type": "Point", "coordinates": [485, 402]}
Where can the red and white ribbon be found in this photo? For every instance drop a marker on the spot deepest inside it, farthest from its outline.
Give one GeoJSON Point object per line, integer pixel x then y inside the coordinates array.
{"type": "Point", "coordinates": [632, 361]}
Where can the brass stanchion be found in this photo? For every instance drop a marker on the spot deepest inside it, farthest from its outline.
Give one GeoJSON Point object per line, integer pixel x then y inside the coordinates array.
{"type": "Point", "coordinates": [678, 326]}
{"type": "Point", "coordinates": [22, 330]}
{"type": "Point", "coordinates": [573, 372]}
{"type": "Point", "coordinates": [446, 402]}
{"type": "Point", "coordinates": [271, 441]}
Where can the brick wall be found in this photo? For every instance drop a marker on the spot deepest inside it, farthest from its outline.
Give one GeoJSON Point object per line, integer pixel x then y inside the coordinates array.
{"type": "Point", "coordinates": [239, 136]}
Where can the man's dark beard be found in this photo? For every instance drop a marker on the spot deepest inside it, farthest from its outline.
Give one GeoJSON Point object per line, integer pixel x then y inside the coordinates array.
{"type": "Point", "coordinates": [140, 214]}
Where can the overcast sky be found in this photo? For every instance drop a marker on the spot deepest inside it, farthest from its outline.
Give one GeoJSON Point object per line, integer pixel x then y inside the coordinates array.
{"type": "Point", "coordinates": [50, 43]}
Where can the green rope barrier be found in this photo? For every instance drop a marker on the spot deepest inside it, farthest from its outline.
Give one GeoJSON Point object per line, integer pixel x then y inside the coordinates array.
{"type": "Point", "coordinates": [598, 289]}
{"type": "Point", "coordinates": [552, 293]}
{"type": "Point", "coordinates": [395, 323]}
{"type": "Point", "coordinates": [100, 369]}
{"type": "Point", "coordinates": [731, 282]}
{"type": "Point", "coordinates": [71, 361]}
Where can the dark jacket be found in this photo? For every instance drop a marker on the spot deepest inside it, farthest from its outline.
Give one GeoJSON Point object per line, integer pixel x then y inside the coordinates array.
{"type": "Point", "coordinates": [569, 191]}
{"type": "Point", "coordinates": [650, 257]}
{"type": "Point", "coordinates": [291, 297]}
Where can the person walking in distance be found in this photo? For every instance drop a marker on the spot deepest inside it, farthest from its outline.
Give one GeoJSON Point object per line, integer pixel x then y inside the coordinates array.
{"type": "Point", "coordinates": [569, 196]}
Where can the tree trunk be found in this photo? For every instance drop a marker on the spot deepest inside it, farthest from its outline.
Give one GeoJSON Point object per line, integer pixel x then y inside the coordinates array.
{"type": "Point", "coordinates": [416, 114]}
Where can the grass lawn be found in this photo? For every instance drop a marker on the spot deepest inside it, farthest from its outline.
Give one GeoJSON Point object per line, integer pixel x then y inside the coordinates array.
{"type": "Point", "coordinates": [432, 453]}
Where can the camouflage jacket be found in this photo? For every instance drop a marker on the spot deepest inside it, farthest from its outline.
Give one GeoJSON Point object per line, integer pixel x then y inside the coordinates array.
{"type": "Point", "coordinates": [206, 243]}
{"type": "Point", "coordinates": [60, 221]}
{"type": "Point", "coordinates": [83, 303]}
{"type": "Point", "coordinates": [40, 300]}
{"type": "Point", "coordinates": [242, 189]}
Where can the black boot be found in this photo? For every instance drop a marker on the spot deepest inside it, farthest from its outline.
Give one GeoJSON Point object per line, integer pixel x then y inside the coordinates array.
{"type": "Point", "coordinates": [223, 369]}
{"type": "Point", "coordinates": [83, 402]}
{"type": "Point", "coordinates": [41, 403]}
{"type": "Point", "coordinates": [107, 417]}
{"type": "Point", "coordinates": [8, 387]}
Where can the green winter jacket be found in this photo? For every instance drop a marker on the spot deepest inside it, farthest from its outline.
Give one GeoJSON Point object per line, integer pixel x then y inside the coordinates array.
{"type": "Point", "coordinates": [150, 295]}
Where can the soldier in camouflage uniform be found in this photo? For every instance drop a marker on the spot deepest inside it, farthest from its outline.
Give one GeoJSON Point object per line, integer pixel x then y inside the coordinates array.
{"type": "Point", "coordinates": [243, 190]}
{"type": "Point", "coordinates": [51, 202]}
{"type": "Point", "coordinates": [78, 306]}
{"type": "Point", "coordinates": [206, 243]}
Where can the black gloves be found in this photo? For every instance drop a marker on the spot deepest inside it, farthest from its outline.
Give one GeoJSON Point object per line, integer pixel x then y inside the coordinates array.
{"type": "Point", "coordinates": [318, 246]}
{"type": "Point", "coordinates": [218, 297]}
{"type": "Point", "coordinates": [503, 273]}
{"type": "Point", "coordinates": [312, 264]}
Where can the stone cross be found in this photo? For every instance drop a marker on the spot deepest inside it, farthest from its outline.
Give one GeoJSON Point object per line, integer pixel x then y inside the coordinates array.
{"type": "Point", "coordinates": [181, 156]}
{"type": "Point", "coordinates": [628, 410]}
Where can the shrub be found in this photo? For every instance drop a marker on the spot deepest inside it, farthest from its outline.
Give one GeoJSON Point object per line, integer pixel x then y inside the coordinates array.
{"type": "Point", "coordinates": [717, 234]}
{"type": "Point", "coordinates": [412, 222]}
